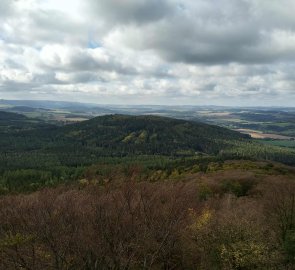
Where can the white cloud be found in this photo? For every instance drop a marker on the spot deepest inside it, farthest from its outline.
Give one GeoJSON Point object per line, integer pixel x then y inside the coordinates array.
{"type": "Point", "coordinates": [148, 51]}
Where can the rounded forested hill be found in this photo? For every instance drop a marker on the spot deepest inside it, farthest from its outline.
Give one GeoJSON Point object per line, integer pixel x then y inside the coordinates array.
{"type": "Point", "coordinates": [34, 145]}
{"type": "Point", "coordinates": [11, 122]}
{"type": "Point", "coordinates": [125, 134]}
{"type": "Point", "coordinates": [8, 116]}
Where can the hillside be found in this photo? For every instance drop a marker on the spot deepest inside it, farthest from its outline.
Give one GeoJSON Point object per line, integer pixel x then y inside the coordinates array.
{"type": "Point", "coordinates": [7, 116]}
{"type": "Point", "coordinates": [123, 135]}
{"type": "Point", "coordinates": [108, 136]}
{"type": "Point", "coordinates": [11, 122]}
{"type": "Point", "coordinates": [34, 154]}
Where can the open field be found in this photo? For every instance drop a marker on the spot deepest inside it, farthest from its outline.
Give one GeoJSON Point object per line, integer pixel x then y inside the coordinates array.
{"type": "Point", "coordinates": [260, 135]}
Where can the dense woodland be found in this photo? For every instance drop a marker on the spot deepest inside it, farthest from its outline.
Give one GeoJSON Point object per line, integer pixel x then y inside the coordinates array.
{"type": "Point", "coordinates": [36, 154]}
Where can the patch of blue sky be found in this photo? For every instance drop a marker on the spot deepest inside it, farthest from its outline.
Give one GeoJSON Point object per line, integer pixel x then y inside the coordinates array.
{"type": "Point", "coordinates": [3, 37]}
{"type": "Point", "coordinates": [92, 43]}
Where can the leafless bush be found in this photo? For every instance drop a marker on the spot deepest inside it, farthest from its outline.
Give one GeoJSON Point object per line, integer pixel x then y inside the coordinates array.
{"type": "Point", "coordinates": [142, 225]}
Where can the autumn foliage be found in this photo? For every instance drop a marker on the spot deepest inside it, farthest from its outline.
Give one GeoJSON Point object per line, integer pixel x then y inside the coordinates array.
{"type": "Point", "coordinates": [143, 225]}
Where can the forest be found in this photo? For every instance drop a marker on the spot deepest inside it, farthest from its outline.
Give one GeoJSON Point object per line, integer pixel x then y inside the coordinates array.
{"type": "Point", "coordinates": [35, 153]}
{"type": "Point", "coordinates": [142, 192]}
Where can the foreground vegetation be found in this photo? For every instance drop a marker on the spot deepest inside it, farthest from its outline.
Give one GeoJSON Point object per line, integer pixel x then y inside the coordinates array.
{"type": "Point", "coordinates": [238, 215]}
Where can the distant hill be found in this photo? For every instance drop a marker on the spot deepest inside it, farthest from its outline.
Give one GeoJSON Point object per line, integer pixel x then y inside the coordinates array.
{"type": "Point", "coordinates": [28, 144]}
{"type": "Point", "coordinates": [46, 104]}
{"type": "Point", "coordinates": [37, 144]}
{"type": "Point", "coordinates": [25, 109]}
{"type": "Point", "coordinates": [122, 134]}
{"type": "Point", "coordinates": [8, 116]}
{"type": "Point", "coordinates": [12, 122]}
{"type": "Point", "coordinates": [27, 106]}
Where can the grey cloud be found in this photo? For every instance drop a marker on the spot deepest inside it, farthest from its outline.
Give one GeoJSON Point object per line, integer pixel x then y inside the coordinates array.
{"type": "Point", "coordinates": [13, 86]}
{"type": "Point", "coordinates": [209, 87]}
{"type": "Point", "coordinates": [6, 8]}
{"type": "Point", "coordinates": [73, 59]}
{"type": "Point", "coordinates": [9, 63]}
{"type": "Point", "coordinates": [86, 77]}
{"type": "Point", "coordinates": [212, 32]}
{"type": "Point", "coordinates": [53, 26]}
{"type": "Point", "coordinates": [115, 12]}
{"type": "Point", "coordinates": [45, 79]}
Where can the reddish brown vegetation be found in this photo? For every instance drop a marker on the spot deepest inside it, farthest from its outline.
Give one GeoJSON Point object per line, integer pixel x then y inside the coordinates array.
{"type": "Point", "coordinates": [149, 226]}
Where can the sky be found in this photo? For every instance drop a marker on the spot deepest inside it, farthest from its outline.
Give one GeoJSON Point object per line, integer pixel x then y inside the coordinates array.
{"type": "Point", "coordinates": [170, 52]}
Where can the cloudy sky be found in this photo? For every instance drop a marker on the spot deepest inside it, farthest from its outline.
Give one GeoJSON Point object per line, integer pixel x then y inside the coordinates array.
{"type": "Point", "coordinates": [222, 52]}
